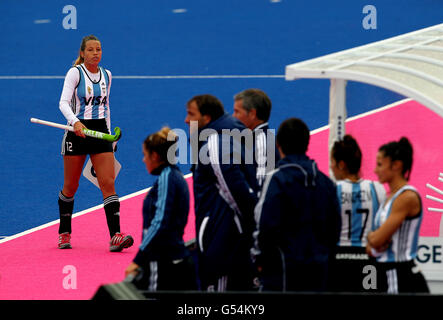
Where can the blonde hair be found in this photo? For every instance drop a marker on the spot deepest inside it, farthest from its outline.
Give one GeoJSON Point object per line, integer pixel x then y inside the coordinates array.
{"type": "Point", "coordinates": [80, 59]}
{"type": "Point", "coordinates": [161, 142]}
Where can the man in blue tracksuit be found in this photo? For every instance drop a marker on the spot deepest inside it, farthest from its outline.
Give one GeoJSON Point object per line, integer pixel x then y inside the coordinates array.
{"type": "Point", "coordinates": [225, 193]}
{"type": "Point", "coordinates": [298, 218]}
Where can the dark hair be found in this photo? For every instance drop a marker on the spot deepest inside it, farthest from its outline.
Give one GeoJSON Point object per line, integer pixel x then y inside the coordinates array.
{"type": "Point", "coordinates": [79, 59]}
{"type": "Point", "coordinates": [293, 136]}
{"type": "Point", "coordinates": [400, 150]}
{"type": "Point", "coordinates": [208, 105]}
{"type": "Point", "coordinates": [161, 142]}
{"type": "Point", "coordinates": [348, 151]}
{"type": "Point", "coordinates": [256, 99]}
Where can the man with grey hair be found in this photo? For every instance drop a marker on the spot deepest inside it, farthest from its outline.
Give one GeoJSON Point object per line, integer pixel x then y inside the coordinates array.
{"type": "Point", "coordinates": [253, 108]}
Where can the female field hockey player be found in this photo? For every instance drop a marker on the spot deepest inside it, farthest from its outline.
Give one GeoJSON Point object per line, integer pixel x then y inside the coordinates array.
{"type": "Point", "coordinates": [163, 262]}
{"type": "Point", "coordinates": [359, 200]}
{"type": "Point", "coordinates": [394, 241]}
{"type": "Point", "coordinates": [85, 104]}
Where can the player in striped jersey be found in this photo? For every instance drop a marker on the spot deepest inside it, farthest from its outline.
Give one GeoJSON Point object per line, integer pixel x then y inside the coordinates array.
{"type": "Point", "coordinates": [253, 108]}
{"type": "Point", "coordinates": [85, 104]}
{"type": "Point", "coordinates": [359, 201]}
{"type": "Point", "coordinates": [394, 241]}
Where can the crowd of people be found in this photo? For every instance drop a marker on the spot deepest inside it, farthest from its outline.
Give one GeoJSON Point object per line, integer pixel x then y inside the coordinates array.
{"type": "Point", "coordinates": [276, 223]}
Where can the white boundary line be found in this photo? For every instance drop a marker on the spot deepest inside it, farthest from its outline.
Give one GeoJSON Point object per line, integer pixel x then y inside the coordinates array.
{"type": "Point", "coordinates": [75, 215]}
{"type": "Point", "coordinates": [251, 76]}
{"type": "Point", "coordinates": [362, 115]}
{"type": "Point", "coordinates": [258, 76]}
{"type": "Point", "coordinates": [186, 176]}
{"type": "Point", "coordinates": [30, 77]}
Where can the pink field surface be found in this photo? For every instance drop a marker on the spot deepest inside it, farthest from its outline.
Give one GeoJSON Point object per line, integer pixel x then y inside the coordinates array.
{"type": "Point", "coordinates": [38, 271]}
{"type": "Point", "coordinates": [42, 272]}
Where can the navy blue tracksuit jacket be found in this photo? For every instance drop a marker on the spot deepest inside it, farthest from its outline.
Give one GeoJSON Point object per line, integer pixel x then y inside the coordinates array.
{"type": "Point", "coordinates": [225, 191]}
{"type": "Point", "coordinates": [298, 225]}
{"type": "Point", "coordinates": [165, 215]}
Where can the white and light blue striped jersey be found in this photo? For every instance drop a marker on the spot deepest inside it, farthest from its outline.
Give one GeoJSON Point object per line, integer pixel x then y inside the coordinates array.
{"type": "Point", "coordinates": [90, 99]}
{"type": "Point", "coordinates": [404, 241]}
{"type": "Point", "coordinates": [359, 201]}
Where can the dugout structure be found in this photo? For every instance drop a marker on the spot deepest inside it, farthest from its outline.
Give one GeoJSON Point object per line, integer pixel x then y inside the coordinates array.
{"type": "Point", "coordinates": [410, 64]}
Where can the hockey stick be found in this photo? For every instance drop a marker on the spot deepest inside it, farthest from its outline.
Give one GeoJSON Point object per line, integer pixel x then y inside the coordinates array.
{"type": "Point", "coordinates": [87, 132]}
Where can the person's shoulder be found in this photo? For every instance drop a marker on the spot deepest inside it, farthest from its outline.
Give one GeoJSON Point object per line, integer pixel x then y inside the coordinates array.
{"type": "Point", "coordinates": [73, 71]}
{"type": "Point", "coordinates": [320, 174]}
{"type": "Point", "coordinates": [409, 197]}
{"type": "Point", "coordinates": [277, 172]}
{"type": "Point", "coordinates": [165, 176]}
{"type": "Point", "coordinates": [325, 181]}
{"type": "Point", "coordinates": [286, 175]}
{"type": "Point", "coordinates": [261, 128]}
{"type": "Point", "coordinates": [274, 180]}
{"type": "Point", "coordinates": [174, 173]}
{"type": "Point", "coordinates": [108, 72]}
{"type": "Point", "coordinates": [407, 203]}
{"type": "Point", "coordinates": [176, 179]}
{"type": "Point", "coordinates": [73, 75]}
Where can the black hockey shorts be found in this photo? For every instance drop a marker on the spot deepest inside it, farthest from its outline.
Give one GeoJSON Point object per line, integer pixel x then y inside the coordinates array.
{"type": "Point", "coordinates": [75, 145]}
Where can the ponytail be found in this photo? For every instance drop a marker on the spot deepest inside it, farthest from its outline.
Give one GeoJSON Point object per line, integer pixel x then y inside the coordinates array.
{"type": "Point", "coordinates": [161, 142]}
{"type": "Point", "coordinates": [348, 151]}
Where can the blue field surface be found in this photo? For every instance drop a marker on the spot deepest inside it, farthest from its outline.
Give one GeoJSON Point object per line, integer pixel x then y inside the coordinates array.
{"type": "Point", "coordinates": [164, 41]}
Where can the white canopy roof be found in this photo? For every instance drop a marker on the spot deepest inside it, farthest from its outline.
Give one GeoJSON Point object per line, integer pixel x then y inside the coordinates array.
{"type": "Point", "coordinates": [410, 64]}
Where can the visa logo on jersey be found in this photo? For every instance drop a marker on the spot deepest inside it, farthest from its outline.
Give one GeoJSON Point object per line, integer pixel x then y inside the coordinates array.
{"type": "Point", "coordinates": [96, 101]}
